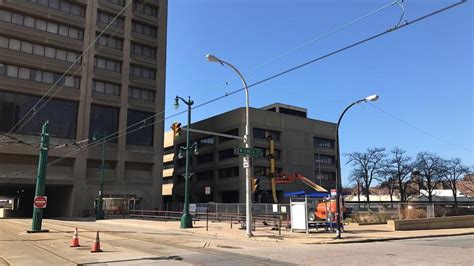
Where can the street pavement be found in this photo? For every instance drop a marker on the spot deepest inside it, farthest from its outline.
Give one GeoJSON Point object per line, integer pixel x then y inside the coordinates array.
{"type": "Point", "coordinates": [138, 242]}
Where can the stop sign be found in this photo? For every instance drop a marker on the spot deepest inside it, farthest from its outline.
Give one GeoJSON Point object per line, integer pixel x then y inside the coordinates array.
{"type": "Point", "coordinates": [40, 201]}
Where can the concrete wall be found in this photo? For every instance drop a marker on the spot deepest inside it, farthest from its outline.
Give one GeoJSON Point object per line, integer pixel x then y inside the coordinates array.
{"type": "Point", "coordinates": [432, 223]}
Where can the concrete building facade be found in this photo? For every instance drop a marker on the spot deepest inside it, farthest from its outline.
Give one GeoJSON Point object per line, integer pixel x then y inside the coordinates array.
{"type": "Point", "coordinates": [117, 83]}
{"type": "Point", "coordinates": [302, 145]}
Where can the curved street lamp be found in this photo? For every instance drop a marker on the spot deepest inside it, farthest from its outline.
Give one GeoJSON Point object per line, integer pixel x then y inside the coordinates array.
{"type": "Point", "coordinates": [371, 98]}
{"type": "Point", "coordinates": [248, 194]}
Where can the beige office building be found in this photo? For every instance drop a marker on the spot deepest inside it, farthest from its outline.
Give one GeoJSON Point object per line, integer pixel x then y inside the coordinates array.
{"type": "Point", "coordinates": [302, 145]}
{"type": "Point", "coordinates": [118, 82]}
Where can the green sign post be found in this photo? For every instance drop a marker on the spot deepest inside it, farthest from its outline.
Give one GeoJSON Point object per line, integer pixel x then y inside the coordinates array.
{"type": "Point", "coordinates": [40, 180]}
{"type": "Point", "coordinates": [254, 152]}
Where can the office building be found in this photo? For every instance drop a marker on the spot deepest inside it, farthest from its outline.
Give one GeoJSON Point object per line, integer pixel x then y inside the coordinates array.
{"type": "Point", "coordinates": [302, 145]}
{"type": "Point", "coordinates": [117, 83]}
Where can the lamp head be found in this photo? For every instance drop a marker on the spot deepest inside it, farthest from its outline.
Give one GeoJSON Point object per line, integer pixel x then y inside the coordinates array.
{"type": "Point", "coordinates": [212, 58]}
{"type": "Point", "coordinates": [176, 103]}
{"type": "Point", "coordinates": [196, 150]}
{"type": "Point", "coordinates": [372, 98]}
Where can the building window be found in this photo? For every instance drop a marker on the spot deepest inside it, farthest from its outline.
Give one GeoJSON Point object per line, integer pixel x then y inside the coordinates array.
{"type": "Point", "coordinates": [292, 112]}
{"type": "Point", "coordinates": [108, 64]}
{"type": "Point", "coordinates": [106, 18]}
{"type": "Point", "coordinates": [37, 49]}
{"type": "Point", "coordinates": [323, 143]}
{"type": "Point", "coordinates": [205, 158]}
{"type": "Point", "coordinates": [39, 24]}
{"type": "Point", "coordinates": [226, 154]}
{"type": "Point", "coordinates": [205, 175]}
{"type": "Point", "coordinates": [229, 172]}
{"type": "Point", "coordinates": [141, 94]}
{"type": "Point", "coordinates": [104, 120]}
{"type": "Point", "coordinates": [106, 87]}
{"type": "Point", "coordinates": [39, 75]}
{"type": "Point", "coordinates": [61, 5]}
{"type": "Point", "coordinates": [261, 171]}
{"type": "Point", "coordinates": [61, 114]}
{"type": "Point", "coordinates": [234, 132]}
{"type": "Point", "coordinates": [325, 175]}
{"type": "Point", "coordinates": [117, 2]}
{"type": "Point", "coordinates": [259, 133]}
{"type": "Point", "coordinates": [144, 29]}
{"type": "Point", "coordinates": [324, 159]}
{"type": "Point", "coordinates": [142, 50]}
{"type": "Point", "coordinates": [140, 128]}
{"type": "Point", "coordinates": [168, 150]}
{"type": "Point", "coordinates": [206, 141]}
{"type": "Point", "coordinates": [167, 180]}
{"type": "Point", "coordinates": [142, 72]}
{"type": "Point", "coordinates": [142, 7]}
{"type": "Point", "coordinates": [108, 41]}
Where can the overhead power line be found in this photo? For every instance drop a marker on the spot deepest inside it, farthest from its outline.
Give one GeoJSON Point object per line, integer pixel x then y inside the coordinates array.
{"type": "Point", "coordinates": [117, 135]}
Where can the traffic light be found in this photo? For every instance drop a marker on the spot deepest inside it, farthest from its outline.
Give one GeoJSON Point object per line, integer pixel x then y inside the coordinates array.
{"type": "Point", "coordinates": [176, 127]}
{"type": "Point", "coordinates": [255, 185]}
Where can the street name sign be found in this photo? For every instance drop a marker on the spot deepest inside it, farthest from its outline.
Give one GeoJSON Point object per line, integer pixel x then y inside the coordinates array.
{"type": "Point", "coordinates": [40, 202]}
{"type": "Point", "coordinates": [254, 152]}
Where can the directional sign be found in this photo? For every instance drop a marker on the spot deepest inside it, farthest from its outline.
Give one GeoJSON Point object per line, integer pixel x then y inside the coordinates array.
{"type": "Point", "coordinates": [208, 190]}
{"type": "Point", "coordinates": [246, 163]}
{"type": "Point", "coordinates": [254, 152]}
{"type": "Point", "coordinates": [40, 202]}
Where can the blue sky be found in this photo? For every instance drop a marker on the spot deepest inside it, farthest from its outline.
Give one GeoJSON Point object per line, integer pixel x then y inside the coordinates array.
{"type": "Point", "coordinates": [423, 72]}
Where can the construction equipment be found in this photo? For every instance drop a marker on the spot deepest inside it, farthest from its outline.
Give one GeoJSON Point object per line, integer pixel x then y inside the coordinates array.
{"type": "Point", "coordinates": [288, 178]}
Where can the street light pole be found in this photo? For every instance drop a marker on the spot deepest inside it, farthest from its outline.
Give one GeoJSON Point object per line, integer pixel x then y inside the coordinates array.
{"type": "Point", "coordinates": [186, 218]}
{"type": "Point", "coordinates": [372, 98]}
{"type": "Point", "coordinates": [248, 191]}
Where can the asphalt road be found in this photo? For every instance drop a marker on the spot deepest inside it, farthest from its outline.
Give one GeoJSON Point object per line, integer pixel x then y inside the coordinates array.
{"type": "Point", "coordinates": [127, 245]}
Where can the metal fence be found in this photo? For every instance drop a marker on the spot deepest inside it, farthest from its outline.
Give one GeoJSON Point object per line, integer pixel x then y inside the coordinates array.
{"type": "Point", "coordinates": [381, 212]}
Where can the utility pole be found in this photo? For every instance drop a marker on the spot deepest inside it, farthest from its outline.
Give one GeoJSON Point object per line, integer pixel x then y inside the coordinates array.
{"type": "Point", "coordinates": [103, 168]}
{"type": "Point", "coordinates": [40, 179]}
{"type": "Point", "coordinates": [186, 218]}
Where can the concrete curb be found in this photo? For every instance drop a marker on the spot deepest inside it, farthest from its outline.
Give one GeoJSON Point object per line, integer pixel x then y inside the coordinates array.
{"type": "Point", "coordinates": [368, 240]}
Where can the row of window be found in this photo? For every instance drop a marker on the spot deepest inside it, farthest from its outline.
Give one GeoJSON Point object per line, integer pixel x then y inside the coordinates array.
{"type": "Point", "coordinates": [38, 75]}
{"type": "Point", "coordinates": [104, 119]}
{"type": "Point", "coordinates": [142, 72]}
{"type": "Point", "coordinates": [143, 28]}
{"type": "Point", "coordinates": [63, 6]}
{"type": "Point", "coordinates": [266, 152]}
{"type": "Point", "coordinates": [205, 158]}
{"type": "Point", "coordinates": [324, 159]}
{"type": "Point", "coordinates": [324, 175]}
{"type": "Point", "coordinates": [229, 172]}
{"type": "Point", "coordinates": [169, 165]}
{"type": "Point", "coordinates": [142, 7]}
{"type": "Point", "coordinates": [39, 24]}
{"type": "Point", "coordinates": [141, 94]}
{"type": "Point", "coordinates": [323, 143]}
{"type": "Point", "coordinates": [262, 171]}
{"type": "Point", "coordinates": [117, 2]}
{"type": "Point", "coordinates": [142, 50]}
{"type": "Point", "coordinates": [108, 64]}
{"type": "Point", "coordinates": [106, 87]}
{"type": "Point", "coordinates": [37, 49]}
{"type": "Point", "coordinates": [227, 154]}
{"type": "Point", "coordinates": [109, 41]}
{"type": "Point", "coordinates": [62, 115]}
{"type": "Point", "coordinates": [168, 150]}
{"type": "Point", "coordinates": [106, 18]}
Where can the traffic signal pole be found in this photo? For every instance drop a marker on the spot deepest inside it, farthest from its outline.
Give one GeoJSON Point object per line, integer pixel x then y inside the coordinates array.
{"type": "Point", "coordinates": [40, 179]}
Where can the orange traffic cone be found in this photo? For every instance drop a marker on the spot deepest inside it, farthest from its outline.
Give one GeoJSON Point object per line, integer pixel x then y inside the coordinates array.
{"type": "Point", "coordinates": [96, 245]}
{"type": "Point", "coordinates": [75, 239]}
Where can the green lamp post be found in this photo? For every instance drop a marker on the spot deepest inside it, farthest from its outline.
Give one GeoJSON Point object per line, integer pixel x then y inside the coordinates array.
{"type": "Point", "coordinates": [186, 218]}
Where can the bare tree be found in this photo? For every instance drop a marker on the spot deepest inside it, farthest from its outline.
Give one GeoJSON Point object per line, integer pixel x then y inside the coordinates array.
{"type": "Point", "coordinates": [389, 182]}
{"type": "Point", "coordinates": [430, 167]}
{"type": "Point", "coordinates": [369, 163]}
{"type": "Point", "coordinates": [399, 166]}
{"type": "Point", "coordinates": [453, 170]}
{"type": "Point", "coordinates": [356, 177]}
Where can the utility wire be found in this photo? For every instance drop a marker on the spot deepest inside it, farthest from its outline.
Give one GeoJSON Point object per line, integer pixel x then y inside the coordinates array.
{"type": "Point", "coordinates": [417, 128]}
{"type": "Point", "coordinates": [407, 23]}
{"type": "Point", "coordinates": [35, 109]}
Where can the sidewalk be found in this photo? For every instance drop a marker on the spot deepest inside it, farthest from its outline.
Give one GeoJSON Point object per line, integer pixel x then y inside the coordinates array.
{"type": "Point", "coordinates": [353, 233]}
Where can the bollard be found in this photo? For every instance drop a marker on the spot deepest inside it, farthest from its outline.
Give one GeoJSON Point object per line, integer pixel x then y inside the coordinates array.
{"type": "Point", "coordinates": [254, 225]}
{"type": "Point", "coordinates": [279, 226]}
{"type": "Point", "coordinates": [207, 217]}
{"type": "Point", "coordinates": [231, 222]}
